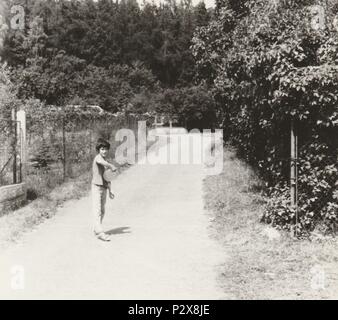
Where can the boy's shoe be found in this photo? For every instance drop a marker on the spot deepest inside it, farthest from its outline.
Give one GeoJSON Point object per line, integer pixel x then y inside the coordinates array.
{"type": "Point", "coordinates": [104, 237]}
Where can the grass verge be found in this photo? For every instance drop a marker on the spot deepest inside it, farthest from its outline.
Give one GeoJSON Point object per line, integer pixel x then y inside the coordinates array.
{"type": "Point", "coordinates": [14, 224]}
{"type": "Point", "coordinates": [263, 263]}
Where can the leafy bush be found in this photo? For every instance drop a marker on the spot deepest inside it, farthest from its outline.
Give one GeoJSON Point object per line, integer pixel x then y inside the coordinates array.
{"type": "Point", "coordinates": [43, 157]}
{"type": "Point", "coordinates": [270, 66]}
{"type": "Point", "coordinates": [194, 107]}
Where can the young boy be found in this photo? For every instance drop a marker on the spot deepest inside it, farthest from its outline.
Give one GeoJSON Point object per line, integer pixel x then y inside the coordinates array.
{"type": "Point", "coordinates": [100, 187]}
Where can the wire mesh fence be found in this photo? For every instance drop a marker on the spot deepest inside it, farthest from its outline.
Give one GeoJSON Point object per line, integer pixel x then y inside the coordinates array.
{"type": "Point", "coordinates": [318, 180]}
{"type": "Point", "coordinates": [303, 192]}
{"type": "Point", "coordinates": [61, 145]}
{"type": "Point", "coordinates": [10, 152]}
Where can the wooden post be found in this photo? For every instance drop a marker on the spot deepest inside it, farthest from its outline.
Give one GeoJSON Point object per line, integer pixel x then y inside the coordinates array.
{"type": "Point", "coordinates": [293, 168]}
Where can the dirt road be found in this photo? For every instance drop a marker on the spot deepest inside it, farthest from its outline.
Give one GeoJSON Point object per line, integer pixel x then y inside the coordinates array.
{"type": "Point", "coordinates": [160, 248]}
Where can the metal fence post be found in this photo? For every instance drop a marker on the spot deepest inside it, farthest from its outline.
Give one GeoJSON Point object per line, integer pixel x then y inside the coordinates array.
{"type": "Point", "coordinates": [293, 170]}
{"type": "Point", "coordinates": [64, 146]}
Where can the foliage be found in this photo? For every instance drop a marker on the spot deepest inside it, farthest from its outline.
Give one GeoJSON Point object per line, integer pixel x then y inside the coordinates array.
{"type": "Point", "coordinates": [267, 65]}
{"type": "Point", "coordinates": [8, 99]}
{"type": "Point", "coordinates": [43, 157]}
{"type": "Point", "coordinates": [193, 107]}
{"type": "Point", "coordinates": [116, 55]}
{"type": "Point", "coordinates": [143, 56]}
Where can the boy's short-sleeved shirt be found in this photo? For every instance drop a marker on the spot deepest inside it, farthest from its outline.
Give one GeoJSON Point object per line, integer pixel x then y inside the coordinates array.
{"type": "Point", "coordinates": [98, 171]}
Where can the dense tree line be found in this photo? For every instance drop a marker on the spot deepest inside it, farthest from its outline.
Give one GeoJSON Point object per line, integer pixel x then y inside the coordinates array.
{"type": "Point", "coordinates": [115, 54]}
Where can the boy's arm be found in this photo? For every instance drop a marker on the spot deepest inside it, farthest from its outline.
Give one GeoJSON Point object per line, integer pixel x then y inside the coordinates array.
{"type": "Point", "coordinates": [105, 163]}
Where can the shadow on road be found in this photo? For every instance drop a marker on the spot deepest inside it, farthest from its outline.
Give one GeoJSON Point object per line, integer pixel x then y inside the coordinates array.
{"type": "Point", "coordinates": [120, 230]}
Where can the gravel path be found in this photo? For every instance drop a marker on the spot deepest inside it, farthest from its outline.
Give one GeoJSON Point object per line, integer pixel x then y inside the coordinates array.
{"type": "Point", "coordinates": [160, 248]}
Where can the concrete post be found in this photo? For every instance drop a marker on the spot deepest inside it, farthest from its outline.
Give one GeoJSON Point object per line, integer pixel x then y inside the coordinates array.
{"type": "Point", "coordinates": [21, 117]}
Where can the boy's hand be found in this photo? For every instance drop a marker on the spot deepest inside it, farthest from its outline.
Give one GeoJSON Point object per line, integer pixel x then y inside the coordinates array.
{"type": "Point", "coordinates": [113, 168]}
{"type": "Point", "coordinates": [111, 195]}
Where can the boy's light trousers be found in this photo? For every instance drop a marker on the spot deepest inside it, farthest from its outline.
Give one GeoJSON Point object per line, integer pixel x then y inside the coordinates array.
{"type": "Point", "coordinates": [99, 198]}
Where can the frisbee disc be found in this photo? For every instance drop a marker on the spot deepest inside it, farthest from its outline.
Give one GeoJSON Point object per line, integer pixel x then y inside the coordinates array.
{"type": "Point", "coordinates": [108, 175]}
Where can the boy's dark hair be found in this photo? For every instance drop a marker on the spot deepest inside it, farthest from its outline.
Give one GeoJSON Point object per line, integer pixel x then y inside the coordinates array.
{"type": "Point", "coordinates": [101, 143]}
